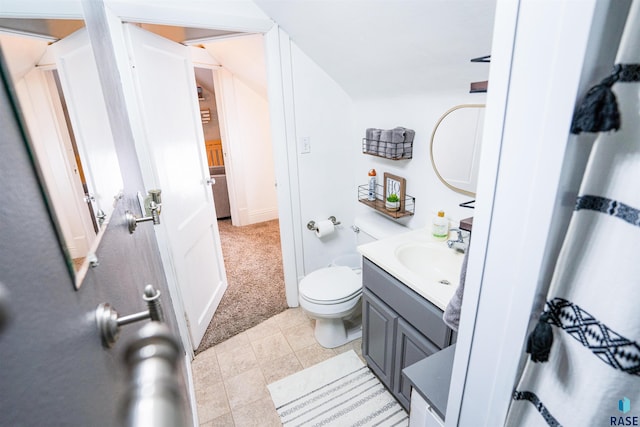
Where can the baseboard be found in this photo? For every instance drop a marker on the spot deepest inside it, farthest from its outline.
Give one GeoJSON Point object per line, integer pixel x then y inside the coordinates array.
{"type": "Point", "coordinates": [191, 390]}
{"type": "Point", "coordinates": [262, 215]}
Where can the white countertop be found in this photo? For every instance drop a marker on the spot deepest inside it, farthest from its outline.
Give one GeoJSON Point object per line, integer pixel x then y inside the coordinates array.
{"type": "Point", "coordinates": [423, 279]}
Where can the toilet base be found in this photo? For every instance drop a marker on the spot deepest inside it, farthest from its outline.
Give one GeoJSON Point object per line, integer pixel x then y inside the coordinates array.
{"type": "Point", "coordinates": [332, 333]}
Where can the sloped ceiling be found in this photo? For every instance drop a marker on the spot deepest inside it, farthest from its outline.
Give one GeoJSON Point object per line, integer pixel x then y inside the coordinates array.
{"type": "Point", "coordinates": [185, 34]}
{"type": "Point", "coordinates": [391, 47]}
{"type": "Point", "coordinates": [51, 29]}
{"type": "Point", "coordinates": [244, 57]}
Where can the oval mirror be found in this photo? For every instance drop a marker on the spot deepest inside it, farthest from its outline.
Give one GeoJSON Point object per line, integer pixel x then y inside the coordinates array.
{"type": "Point", "coordinates": [55, 80]}
{"type": "Point", "coordinates": [455, 147]}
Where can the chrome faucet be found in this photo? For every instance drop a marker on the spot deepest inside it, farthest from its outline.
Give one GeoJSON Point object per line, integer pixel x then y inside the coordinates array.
{"type": "Point", "coordinates": [459, 244]}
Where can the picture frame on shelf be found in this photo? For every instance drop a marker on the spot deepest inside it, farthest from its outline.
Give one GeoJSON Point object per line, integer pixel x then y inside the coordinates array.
{"type": "Point", "coordinates": [393, 184]}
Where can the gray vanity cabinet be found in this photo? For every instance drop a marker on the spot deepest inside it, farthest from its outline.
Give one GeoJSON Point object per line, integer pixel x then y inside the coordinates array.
{"type": "Point", "coordinates": [399, 328]}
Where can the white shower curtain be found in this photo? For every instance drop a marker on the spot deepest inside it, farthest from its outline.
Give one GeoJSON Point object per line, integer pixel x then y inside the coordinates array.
{"type": "Point", "coordinates": [592, 377]}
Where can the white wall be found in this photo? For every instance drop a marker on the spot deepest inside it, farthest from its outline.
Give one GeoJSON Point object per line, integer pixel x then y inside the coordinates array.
{"type": "Point", "coordinates": [330, 174]}
{"type": "Point", "coordinates": [418, 112]}
{"type": "Point", "coordinates": [22, 53]}
{"type": "Point", "coordinates": [256, 155]}
{"type": "Point", "coordinates": [246, 138]}
{"type": "Point", "coordinates": [324, 113]}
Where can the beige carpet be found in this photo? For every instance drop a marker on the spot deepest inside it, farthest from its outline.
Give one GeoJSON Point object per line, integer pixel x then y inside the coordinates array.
{"type": "Point", "coordinates": [253, 260]}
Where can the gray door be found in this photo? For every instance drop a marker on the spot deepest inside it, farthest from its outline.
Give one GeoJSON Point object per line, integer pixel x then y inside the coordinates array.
{"type": "Point", "coordinates": [54, 370]}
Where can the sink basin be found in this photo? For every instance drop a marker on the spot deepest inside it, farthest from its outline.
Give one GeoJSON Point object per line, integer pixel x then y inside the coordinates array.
{"type": "Point", "coordinates": [434, 263]}
{"type": "Point", "coordinates": [421, 263]}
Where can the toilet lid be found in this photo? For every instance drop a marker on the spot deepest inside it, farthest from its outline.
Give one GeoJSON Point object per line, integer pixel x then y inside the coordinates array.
{"type": "Point", "coordinates": [330, 284]}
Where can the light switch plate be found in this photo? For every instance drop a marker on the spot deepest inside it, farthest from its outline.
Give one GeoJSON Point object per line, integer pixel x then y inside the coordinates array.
{"type": "Point", "coordinates": [305, 144]}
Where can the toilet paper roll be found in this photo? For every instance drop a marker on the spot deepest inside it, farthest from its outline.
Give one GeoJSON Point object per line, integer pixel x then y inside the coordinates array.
{"type": "Point", "coordinates": [324, 228]}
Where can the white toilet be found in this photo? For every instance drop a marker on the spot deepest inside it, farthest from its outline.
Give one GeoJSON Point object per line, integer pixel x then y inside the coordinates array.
{"type": "Point", "coordinates": [331, 295]}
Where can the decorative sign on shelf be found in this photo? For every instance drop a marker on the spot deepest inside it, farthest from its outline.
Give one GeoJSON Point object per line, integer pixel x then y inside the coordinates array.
{"type": "Point", "coordinates": [394, 185]}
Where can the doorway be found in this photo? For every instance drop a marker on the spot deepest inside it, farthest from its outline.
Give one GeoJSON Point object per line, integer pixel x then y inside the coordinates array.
{"type": "Point", "coordinates": [247, 171]}
{"type": "Point", "coordinates": [235, 118]}
{"type": "Point", "coordinates": [212, 140]}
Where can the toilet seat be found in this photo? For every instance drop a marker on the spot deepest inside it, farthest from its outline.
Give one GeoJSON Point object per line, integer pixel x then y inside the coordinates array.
{"type": "Point", "coordinates": [331, 285]}
{"type": "Point", "coordinates": [332, 302]}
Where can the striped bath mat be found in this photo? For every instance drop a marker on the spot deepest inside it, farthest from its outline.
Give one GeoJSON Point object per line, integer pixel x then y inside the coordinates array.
{"type": "Point", "coordinates": [340, 391]}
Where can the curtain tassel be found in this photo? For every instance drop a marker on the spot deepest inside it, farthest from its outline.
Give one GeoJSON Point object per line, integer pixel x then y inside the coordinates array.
{"type": "Point", "coordinates": [540, 339]}
{"type": "Point", "coordinates": [598, 111]}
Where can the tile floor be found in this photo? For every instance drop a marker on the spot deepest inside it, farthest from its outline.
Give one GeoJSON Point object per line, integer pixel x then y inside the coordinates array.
{"type": "Point", "coordinates": [231, 378]}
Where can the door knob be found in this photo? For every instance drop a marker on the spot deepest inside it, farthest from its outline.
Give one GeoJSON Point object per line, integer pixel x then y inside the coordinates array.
{"type": "Point", "coordinates": [152, 207]}
{"type": "Point", "coordinates": [152, 399]}
{"type": "Point", "coordinates": [109, 321]}
{"type": "Point", "coordinates": [101, 216]}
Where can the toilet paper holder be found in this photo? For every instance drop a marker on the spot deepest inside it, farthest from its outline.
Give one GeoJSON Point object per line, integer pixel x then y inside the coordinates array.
{"type": "Point", "coordinates": [311, 225]}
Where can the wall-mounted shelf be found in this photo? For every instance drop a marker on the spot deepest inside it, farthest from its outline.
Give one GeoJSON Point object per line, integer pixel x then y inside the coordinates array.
{"type": "Point", "coordinates": [388, 150]}
{"type": "Point", "coordinates": [480, 87]}
{"type": "Point", "coordinates": [466, 224]}
{"type": "Point", "coordinates": [407, 206]}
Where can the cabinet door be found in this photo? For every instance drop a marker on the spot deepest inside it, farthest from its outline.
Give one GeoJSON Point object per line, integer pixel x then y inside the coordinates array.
{"type": "Point", "coordinates": [411, 347]}
{"type": "Point", "coordinates": [378, 333]}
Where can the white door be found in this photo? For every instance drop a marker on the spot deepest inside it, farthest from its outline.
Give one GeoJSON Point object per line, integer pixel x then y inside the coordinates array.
{"type": "Point", "coordinates": [170, 144]}
{"type": "Point", "coordinates": [42, 110]}
{"type": "Point", "coordinates": [88, 115]}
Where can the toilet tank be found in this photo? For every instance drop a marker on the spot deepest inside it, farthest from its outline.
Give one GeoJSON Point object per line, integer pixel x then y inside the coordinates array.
{"type": "Point", "coordinates": [373, 226]}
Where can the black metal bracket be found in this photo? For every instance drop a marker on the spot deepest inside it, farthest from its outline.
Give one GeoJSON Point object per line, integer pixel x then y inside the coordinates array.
{"type": "Point", "coordinates": [486, 58]}
{"type": "Point", "coordinates": [468, 204]}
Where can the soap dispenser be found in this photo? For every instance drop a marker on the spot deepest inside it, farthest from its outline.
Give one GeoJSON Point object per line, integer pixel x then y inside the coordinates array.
{"type": "Point", "coordinates": [440, 227]}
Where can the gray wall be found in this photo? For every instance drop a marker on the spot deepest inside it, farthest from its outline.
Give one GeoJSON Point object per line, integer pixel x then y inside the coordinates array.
{"type": "Point", "coordinates": [53, 368]}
